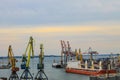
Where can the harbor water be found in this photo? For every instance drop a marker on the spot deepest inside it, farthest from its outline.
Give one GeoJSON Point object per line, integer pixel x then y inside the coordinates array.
{"type": "Point", "coordinates": [52, 73]}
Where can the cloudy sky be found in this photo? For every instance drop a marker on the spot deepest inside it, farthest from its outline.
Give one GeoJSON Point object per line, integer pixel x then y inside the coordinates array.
{"type": "Point", "coordinates": [84, 23]}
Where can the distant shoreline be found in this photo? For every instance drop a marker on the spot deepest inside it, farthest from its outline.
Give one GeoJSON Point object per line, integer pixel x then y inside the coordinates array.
{"type": "Point", "coordinates": [34, 56]}
{"type": "Point", "coordinates": [59, 56]}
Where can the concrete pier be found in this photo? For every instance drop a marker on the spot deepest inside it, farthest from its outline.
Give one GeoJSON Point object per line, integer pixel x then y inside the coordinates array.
{"type": "Point", "coordinates": [3, 78]}
{"type": "Point", "coordinates": [105, 78]}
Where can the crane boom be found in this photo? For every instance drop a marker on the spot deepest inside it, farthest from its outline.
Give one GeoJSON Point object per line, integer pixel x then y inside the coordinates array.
{"type": "Point", "coordinates": [62, 51]}
{"type": "Point", "coordinates": [65, 54]}
{"type": "Point", "coordinates": [80, 54]}
{"type": "Point", "coordinates": [11, 57]}
{"type": "Point", "coordinates": [41, 54]}
{"type": "Point", "coordinates": [76, 54]}
{"type": "Point", "coordinates": [64, 47]}
{"type": "Point", "coordinates": [69, 50]}
{"type": "Point", "coordinates": [29, 50]}
{"type": "Point", "coordinates": [13, 64]}
{"type": "Point", "coordinates": [26, 61]}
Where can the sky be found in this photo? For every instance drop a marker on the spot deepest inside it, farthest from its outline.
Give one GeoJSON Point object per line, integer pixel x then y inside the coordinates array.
{"type": "Point", "coordinates": [84, 23]}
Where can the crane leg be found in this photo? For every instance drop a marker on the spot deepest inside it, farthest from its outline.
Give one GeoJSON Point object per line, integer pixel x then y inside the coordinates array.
{"type": "Point", "coordinates": [26, 75]}
{"type": "Point", "coordinates": [14, 76]}
{"type": "Point", "coordinates": [41, 75]}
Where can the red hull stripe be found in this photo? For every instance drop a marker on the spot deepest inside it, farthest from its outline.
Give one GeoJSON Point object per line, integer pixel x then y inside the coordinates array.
{"type": "Point", "coordinates": [89, 72]}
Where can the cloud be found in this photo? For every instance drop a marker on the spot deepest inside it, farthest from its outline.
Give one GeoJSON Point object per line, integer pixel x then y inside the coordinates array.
{"type": "Point", "coordinates": [84, 22]}
{"type": "Point", "coordinates": [31, 12]}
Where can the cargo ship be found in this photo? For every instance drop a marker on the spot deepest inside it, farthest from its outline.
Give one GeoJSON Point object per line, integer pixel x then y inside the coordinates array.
{"type": "Point", "coordinates": [95, 70]}
{"type": "Point", "coordinates": [90, 66]}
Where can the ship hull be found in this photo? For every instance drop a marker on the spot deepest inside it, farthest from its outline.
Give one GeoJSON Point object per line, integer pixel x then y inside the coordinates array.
{"type": "Point", "coordinates": [89, 72]}
{"type": "Point", "coordinates": [57, 65]}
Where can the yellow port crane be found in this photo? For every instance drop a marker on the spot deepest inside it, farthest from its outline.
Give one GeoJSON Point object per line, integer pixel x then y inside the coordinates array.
{"type": "Point", "coordinates": [76, 53]}
{"type": "Point", "coordinates": [41, 74]}
{"type": "Point", "coordinates": [80, 55]}
{"type": "Point", "coordinates": [26, 61]}
{"type": "Point", "coordinates": [13, 61]}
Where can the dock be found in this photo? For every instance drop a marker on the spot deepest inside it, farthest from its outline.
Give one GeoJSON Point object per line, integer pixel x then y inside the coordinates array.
{"type": "Point", "coordinates": [3, 78]}
{"type": "Point", "coordinates": [117, 77]}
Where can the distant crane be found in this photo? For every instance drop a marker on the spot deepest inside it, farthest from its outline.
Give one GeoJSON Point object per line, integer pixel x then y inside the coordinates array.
{"type": "Point", "coordinates": [91, 53]}
{"type": "Point", "coordinates": [41, 74]}
{"type": "Point", "coordinates": [13, 61]}
{"type": "Point", "coordinates": [80, 55]}
{"type": "Point", "coordinates": [70, 53]}
{"type": "Point", "coordinates": [65, 54]}
{"type": "Point", "coordinates": [26, 61]}
{"type": "Point", "coordinates": [62, 51]}
{"type": "Point", "coordinates": [76, 53]}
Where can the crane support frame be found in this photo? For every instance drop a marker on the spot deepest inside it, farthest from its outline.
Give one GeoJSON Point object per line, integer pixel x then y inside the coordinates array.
{"type": "Point", "coordinates": [41, 74]}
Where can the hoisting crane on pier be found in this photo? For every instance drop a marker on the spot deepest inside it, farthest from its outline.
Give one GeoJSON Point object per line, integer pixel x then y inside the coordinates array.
{"type": "Point", "coordinates": [41, 74]}
{"type": "Point", "coordinates": [62, 51]}
{"type": "Point", "coordinates": [65, 54]}
{"type": "Point", "coordinates": [26, 61]}
{"type": "Point", "coordinates": [70, 53]}
{"type": "Point", "coordinates": [80, 55]}
{"type": "Point", "coordinates": [76, 53]}
{"type": "Point", "coordinates": [13, 61]}
{"type": "Point", "coordinates": [91, 53]}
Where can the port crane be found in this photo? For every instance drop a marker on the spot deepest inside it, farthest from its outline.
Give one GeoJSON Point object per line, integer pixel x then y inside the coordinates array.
{"type": "Point", "coordinates": [69, 50]}
{"type": "Point", "coordinates": [62, 51]}
{"type": "Point", "coordinates": [10, 56]}
{"type": "Point", "coordinates": [26, 61]}
{"type": "Point", "coordinates": [80, 55]}
{"type": "Point", "coordinates": [76, 53]}
{"type": "Point", "coordinates": [13, 61]}
{"type": "Point", "coordinates": [65, 53]}
{"type": "Point", "coordinates": [91, 53]}
{"type": "Point", "coordinates": [41, 74]}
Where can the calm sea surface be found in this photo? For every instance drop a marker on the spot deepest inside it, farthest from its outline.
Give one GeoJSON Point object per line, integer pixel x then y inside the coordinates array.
{"type": "Point", "coordinates": [52, 73]}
